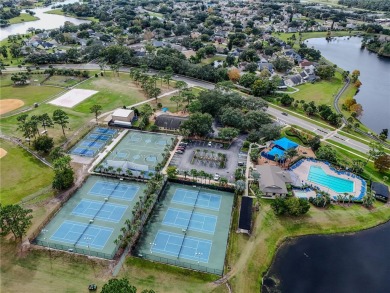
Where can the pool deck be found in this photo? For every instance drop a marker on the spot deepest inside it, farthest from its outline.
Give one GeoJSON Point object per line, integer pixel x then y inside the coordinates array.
{"type": "Point", "coordinates": [303, 173]}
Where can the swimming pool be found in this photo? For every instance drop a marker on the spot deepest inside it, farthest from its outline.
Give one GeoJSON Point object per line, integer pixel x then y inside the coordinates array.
{"type": "Point", "coordinates": [339, 185]}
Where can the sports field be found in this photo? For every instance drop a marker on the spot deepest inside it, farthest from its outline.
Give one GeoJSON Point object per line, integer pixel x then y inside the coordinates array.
{"type": "Point", "coordinates": [93, 142]}
{"type": "Point", "coordinates": [92, 218]}
{"type": "Point", "coordinates": [139, 151]}
{"type": "Point", "coordinates": [189, 228]}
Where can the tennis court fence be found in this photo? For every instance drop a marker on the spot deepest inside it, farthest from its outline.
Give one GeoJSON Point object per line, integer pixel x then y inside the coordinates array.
{"type": "Point", "coordinates": [195, 267]}
{"type": "Point", "coordinates": [68, 248]}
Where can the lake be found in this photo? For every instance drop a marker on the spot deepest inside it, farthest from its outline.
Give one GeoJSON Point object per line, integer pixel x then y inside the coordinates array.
{"type": "Point", "coordinates": [46, 21]}
{"type": "Point", "coordinates": [350, 263]}
{"type": "Point", "coordinates": [374, 94]}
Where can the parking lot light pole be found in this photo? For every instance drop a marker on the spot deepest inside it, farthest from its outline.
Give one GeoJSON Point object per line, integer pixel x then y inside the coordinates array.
{"type": "Point", "coordinates": [151, 246]}
{"type": "Point", "coordinates": [45, 231]}
{"type": "Point", "coordinates": [88, 239]}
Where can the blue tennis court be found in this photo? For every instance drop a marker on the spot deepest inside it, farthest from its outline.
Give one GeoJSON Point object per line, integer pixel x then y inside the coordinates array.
{"type": "Point", "coordinates": [76, 233]}
{"type": "Point", "coordinates": [96, 136]}
{"type": "Point", "coordinates": [197, 222]}
{"type": "Point", "coordinates": [189, 197]}
{"type": "Point", "coordinates": [116, 190]}
{"type": "Point", "coordinates": [84, 152]}
{"type": "Point", "coordinates": [91, 144]}
{"type": "Point", "coordinates": [192, 248]}
{"type": "Point", "coordinates": [100, 210]}
{"type": "Point", "coordinates": [102, 130]}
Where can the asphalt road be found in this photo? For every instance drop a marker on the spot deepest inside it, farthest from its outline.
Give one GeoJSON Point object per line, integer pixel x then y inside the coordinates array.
{"type": "Point", "coordinates": [290, 119]}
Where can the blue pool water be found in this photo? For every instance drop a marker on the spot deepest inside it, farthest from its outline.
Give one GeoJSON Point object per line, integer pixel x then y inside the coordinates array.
{"type": "Point", "coordinates": [339, 185]}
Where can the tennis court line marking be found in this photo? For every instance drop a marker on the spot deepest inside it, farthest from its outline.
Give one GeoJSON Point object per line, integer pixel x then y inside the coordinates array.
{"type": "Point", "coordinates": [206, 217]}
{"type": "Point", "coordinates": [194, 193]}
{"type": "Point", "coordinates": [109, 219]}
{"type": "Point", "coordinates": [128, 186]}
{"type": "Point", "coordinates": [185, 256]}
{"type": "Point", "coordinates": [82, 225]}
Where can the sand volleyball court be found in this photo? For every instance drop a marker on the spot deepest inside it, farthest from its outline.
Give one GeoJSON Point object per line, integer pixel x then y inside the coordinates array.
{"type": "Point", "coordinates": [3, 152]}
{"type": "Point", "coordinates": [8, 105]}
{"type": "Point", "coordinates": [72, 98]}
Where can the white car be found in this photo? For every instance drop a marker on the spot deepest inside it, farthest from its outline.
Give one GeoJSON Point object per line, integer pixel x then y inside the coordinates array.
{"type": "Point", "coordinates": [209, 144]}
{"type": "Point", "coordinates": [216, 177]}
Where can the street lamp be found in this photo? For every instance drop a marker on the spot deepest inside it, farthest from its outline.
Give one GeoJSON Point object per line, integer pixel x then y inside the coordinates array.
{"type": "Point", "coordinates": [151, 246]}
{"type": "Point", "coordinates": [88, 239]}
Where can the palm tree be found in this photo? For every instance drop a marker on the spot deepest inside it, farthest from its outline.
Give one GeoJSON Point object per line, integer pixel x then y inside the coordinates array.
{"type": "Point", "coordinates": [118, 170]}
{"type": "Point", "coordinates": [194, 174]}
{"type": "Point", "coordinates": [110, 169]}
{"type": "Point", "coordinates": [128, 223]}
{"type": "Point", "coordinates": [369, 199]}
{"type": "Point", "coordinates": [185, 173]}
{"type": "Point", "coordinates": [129, 173]}
{"type": "Point", "coordinates": [202, 174]}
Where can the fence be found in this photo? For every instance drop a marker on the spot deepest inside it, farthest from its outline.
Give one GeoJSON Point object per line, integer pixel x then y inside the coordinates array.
{"type": "Point", "coordinates": [196, 267]}
{"type": "Point", "coordinates": [73, 249]}
{"type": "Point", "coordinates": [63, 199]}
{"type": "Point", "coordinates": [209, 186]}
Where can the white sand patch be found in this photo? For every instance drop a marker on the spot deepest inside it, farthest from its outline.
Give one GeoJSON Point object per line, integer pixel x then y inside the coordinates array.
{"type": "Point", "coordinates": [72, 98]}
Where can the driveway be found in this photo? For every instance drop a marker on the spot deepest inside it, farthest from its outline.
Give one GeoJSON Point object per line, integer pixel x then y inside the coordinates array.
{"type": "Point", "coordinates": [183, 161]}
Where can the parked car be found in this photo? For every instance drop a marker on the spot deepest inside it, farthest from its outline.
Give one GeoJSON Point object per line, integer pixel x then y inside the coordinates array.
{"type": "Point", "coordinates": [209, 144]}
{"type": "Point", "coordinates": [241, 164]}
{"type": "Point", "coordinates": [216, 177]}
{"type": "Point", "coordinates": [183, 143]}
{"type": "Point", "coordinates": [179, 152]}
{"type": "Point", "coordinates": [284, 113]}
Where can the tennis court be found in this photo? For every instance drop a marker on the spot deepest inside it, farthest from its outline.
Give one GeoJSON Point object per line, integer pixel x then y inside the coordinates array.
{"type": "Point", "coordinates": [82, 234]}
{"type": "Point", "coordinates": [139, 151]}
{"type": "Point", "coordinates": [117, 190]}
{"type": "Point", "coordinates": [89, 223]}
{"type": "Point", "coordinates": [203, 200]}
{"type": "Point", "coordinates": [191, 248]}
{"type": "Point", "coordinates": [99, 210]}
{"type": "Point", "coordinates": [189, 228]}
{"type": "Point", "coordinates": [193, 221]}
{"type": "Point", "coordinates": [93, 142]}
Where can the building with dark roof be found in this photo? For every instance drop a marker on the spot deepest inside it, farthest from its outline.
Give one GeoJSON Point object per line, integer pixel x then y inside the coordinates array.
{"type": "Point", "coordinates": [170, 122]}
{"type": "Point", "coordinates": [245, 221]}
{"type": "Point", "coordinates": [272, 181]}
{"type": "Point", "coordinates": [381, 191]}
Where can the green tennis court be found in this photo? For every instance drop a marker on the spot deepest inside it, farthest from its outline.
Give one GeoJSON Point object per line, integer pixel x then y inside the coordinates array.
{"type": "Point", "coordinates": [189, 228]}
{"type": "Point", "coordinates": [91, 219]}
{"type": "Point", "coordinates": [139, 151]}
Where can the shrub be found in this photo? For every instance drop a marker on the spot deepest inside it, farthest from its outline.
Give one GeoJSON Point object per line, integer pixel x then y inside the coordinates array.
{"type": "Point", "coordinates": [290, 206]}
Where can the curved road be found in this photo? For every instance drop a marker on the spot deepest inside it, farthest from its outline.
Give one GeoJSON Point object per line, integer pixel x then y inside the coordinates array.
{"type": "Point", "coordinates": [274, 111]}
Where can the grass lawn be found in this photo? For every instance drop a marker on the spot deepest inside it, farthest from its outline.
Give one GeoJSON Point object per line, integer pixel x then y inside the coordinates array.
{"type": "Point", "coordinates": [212, 59]}
{"type": "Point", "coordinates": [369, 169]}
{"type": "Point", "coordinates": [252, 256]}
{"type": "Point", "coordinates": [63, 81]}
{"type": "Point", "coordinates": [321, 92]}
{"type": "Point", "coordinates": [29, 94]}
{"type": "Point", "coordinates": [114, 92]}
{"type": "Point", "coordinates": [23, 17]}
{"type": "Point", "coordinates": [60, 12]}
{"type": "Point", "coordinates": [309, 35]}
{"type": "Point", "coordinates": [164, 278]}
{"type": "Point", "coordinates": [21, 174]}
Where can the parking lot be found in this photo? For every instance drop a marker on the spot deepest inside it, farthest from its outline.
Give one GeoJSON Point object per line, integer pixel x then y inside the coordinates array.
{"type": "Point", "coordinates": [183, 161]}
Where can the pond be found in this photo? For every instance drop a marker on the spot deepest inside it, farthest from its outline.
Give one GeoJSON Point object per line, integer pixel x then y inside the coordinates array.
{"type": "Point", "coordinates": [46, 21]}
{"type": "Point", "coordinates": [347, 263]}
{"type": "Point", "coordinates": [374, 74]}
